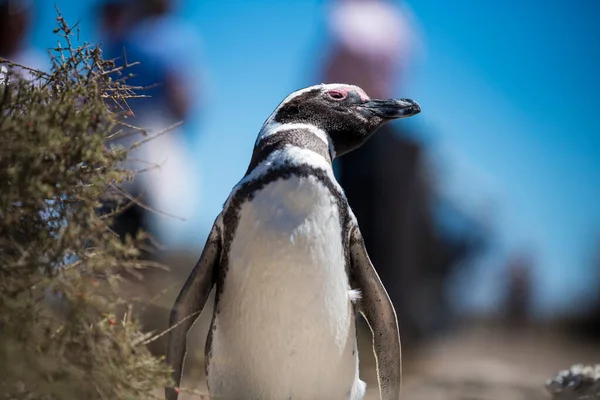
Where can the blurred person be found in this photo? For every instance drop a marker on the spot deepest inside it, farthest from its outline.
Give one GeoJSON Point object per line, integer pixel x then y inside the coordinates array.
{"type": "Point", "coordinates": [113, 19]}
{"type": "Point", "coordinates": [373, 42]}
{"type": "Point", "coordinates": [148, 32]}
{"type": "Point", "coordinates": [15, 23]}
{"type": "Point", "coordinates": [518, 295]}
{"type": "Point", "coordinates": [586, 323]}
{"type": "Point", "coordinates": [166, 47]}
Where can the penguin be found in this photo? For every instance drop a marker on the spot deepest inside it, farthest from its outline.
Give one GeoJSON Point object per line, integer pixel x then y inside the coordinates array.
{"type": "Point", "coordinates": [289, 264]}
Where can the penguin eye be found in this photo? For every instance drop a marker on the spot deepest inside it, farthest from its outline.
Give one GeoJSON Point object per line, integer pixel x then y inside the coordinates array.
{"type": "Point", "coordinates": [337, 95]}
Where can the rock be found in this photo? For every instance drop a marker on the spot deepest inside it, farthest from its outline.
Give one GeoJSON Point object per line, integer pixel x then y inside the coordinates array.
{"type": "Point", "coordinates": [579, 382]}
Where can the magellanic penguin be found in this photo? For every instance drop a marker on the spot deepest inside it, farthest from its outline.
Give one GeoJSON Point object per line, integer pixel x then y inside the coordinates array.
{"type": "Point", "coordinates": [289, 264]}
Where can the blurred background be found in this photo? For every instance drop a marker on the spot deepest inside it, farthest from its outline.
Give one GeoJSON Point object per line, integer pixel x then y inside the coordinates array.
{"type": "Point", "coordinates": [481, 214]}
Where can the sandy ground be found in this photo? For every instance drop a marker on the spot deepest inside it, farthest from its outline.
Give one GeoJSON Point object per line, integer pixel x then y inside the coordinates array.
{"type": "Point", "coordinates": [474, 363]}
{"type": "Point", "coordinates": [487, 363]}
{"type": "Point", "coordinates": [480, 361]}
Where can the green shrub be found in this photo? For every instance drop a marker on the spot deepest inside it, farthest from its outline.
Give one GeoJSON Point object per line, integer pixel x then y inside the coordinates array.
{"type": "Point", "coordinates": [60, 263]}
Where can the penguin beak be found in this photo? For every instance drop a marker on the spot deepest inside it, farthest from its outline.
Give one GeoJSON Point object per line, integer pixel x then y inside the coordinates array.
{"type": "Point", "coordinates": [391, 108]}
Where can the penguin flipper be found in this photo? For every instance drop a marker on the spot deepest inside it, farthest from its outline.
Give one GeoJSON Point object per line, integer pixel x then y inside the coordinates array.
{"type": "Point", "coordinates": [189, 305]}
{"type": "Point", "coordinates": [377, 309]}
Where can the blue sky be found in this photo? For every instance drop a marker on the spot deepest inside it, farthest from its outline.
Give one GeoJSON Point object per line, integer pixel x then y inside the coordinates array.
{"type": "Point", "coordinates": [508, 91]}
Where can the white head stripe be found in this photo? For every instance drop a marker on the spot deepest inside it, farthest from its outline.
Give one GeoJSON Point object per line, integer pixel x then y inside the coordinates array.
{"type": "Point", "coordinates": [269, 123]}
{"type": "Point", "coordinates": [270, 126]}
{"type": "Point", "coordinates": [322, 86]}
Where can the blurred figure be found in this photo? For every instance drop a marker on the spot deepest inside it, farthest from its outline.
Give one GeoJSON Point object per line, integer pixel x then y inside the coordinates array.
{"type": "Point", "coordinates": [586, 323]}
{"type": "Point", "coordinates": [385, 180]}
{"type": "Point", "coordinates": [372, 44]}
{"type": "Point", "coordinates": [15, 23]}
{"type": "Point", "coordinates": [167, 49]}
{"type": "Point", "coordinates": [113, 22]}
{"type": "Point", "coordinates": [518, 295]}
{"type": "Point", "coordinates": [148, 32]}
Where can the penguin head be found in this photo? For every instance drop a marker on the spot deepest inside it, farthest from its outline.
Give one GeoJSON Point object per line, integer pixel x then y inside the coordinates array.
{"type": "Point", "coordinates": [344, 112]}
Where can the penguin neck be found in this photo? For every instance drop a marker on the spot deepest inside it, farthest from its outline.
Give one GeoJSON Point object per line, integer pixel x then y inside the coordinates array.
{"type": "Point", "coordinates": [280, 144]}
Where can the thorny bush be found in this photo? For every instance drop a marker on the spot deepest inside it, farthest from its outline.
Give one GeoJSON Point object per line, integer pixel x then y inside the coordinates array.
{"type": "Point", "coordinates": [60, 264]}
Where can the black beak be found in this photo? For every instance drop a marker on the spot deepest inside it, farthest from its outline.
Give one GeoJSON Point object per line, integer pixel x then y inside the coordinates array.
{"type": "Point", "coordinates": [392, 108]}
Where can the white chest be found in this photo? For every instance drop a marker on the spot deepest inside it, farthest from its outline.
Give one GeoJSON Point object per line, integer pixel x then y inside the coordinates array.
{"type": "Point", "coordinates": [285, 326]}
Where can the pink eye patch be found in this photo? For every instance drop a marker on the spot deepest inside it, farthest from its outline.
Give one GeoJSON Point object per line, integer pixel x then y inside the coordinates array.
{"type": "Point", "coordinates": [345, 90]}
{"type": "Point", "coordinates": [362, 94]}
